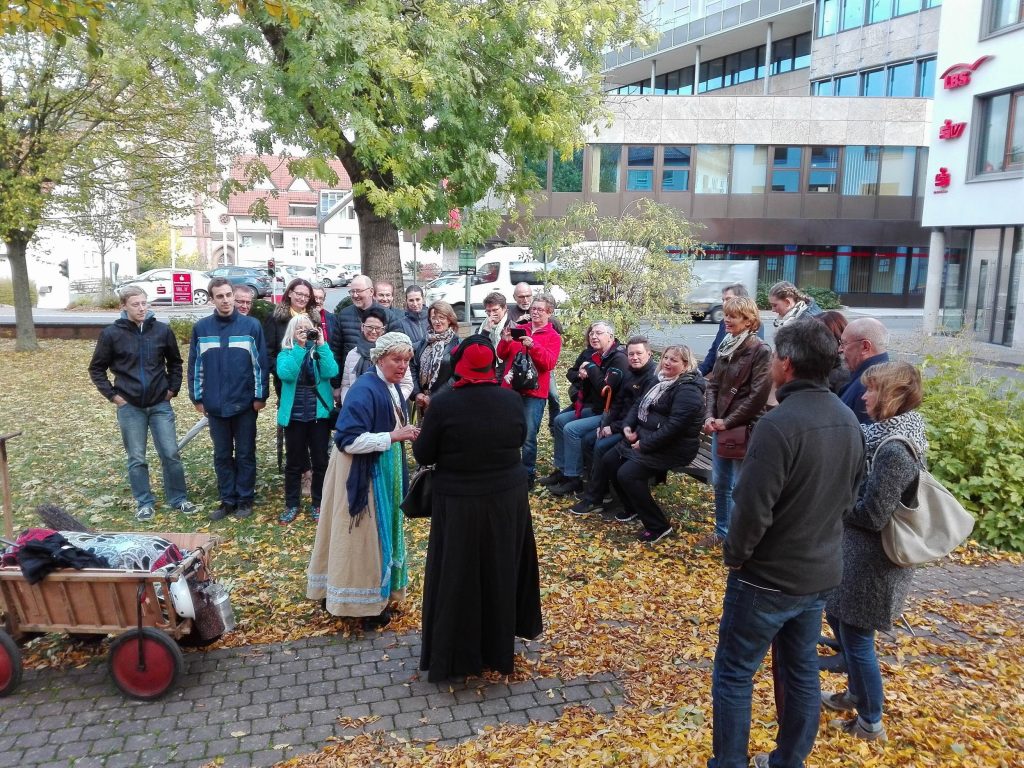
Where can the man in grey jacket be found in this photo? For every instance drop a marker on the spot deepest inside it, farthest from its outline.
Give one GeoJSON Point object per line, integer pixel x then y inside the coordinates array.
{"type": "Point", "coordinates": [800, 475]}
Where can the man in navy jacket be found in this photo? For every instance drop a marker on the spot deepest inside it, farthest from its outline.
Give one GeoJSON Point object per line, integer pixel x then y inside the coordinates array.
{"type": "Point", "coordinates": [228, 383]}
{"type": "Point", "coordinates": [863, 345]}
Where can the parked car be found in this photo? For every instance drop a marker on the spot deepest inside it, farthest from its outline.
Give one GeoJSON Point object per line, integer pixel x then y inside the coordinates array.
{"type": "Point", "coordinates": [256, 278]}
{"type": "Point", "coordinates": [337, 275]}
{"type": "Point", "coordinates": [288, 272]}
{"type": "Point", "coordinates": [159, 284]}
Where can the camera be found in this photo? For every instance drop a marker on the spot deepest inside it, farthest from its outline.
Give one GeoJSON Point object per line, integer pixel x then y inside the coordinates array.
{"type": "Point", "coordinates": [312, 334]}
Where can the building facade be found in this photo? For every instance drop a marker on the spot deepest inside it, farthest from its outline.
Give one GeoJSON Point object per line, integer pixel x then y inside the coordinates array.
{"type": "Point", "coordinates": [796, 132]}
{"type": "Point", "coordinates": [975, 179]}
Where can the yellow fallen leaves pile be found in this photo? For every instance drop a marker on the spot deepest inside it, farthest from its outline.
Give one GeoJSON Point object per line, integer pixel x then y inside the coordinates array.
{"type": "Point", "coordinates": [648, 616]}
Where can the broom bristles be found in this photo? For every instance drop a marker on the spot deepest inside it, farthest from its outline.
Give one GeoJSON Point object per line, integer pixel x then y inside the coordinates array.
{"type": "Point", "coordinates": [57, 519]}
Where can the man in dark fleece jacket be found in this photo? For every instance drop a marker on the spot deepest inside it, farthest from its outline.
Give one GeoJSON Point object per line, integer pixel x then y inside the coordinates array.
{"type": "Point", "coordinates": [801, 473]}
{"type": "Point", "coordinates": [228, 381]}
{"type": "Point", "coordinates": [144, 358]}
{"type": "Point", "coordinates": [348, 325]}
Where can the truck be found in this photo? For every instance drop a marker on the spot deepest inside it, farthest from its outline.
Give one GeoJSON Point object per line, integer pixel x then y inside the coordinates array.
{"type": "Point", "coordinates": [704, 302]}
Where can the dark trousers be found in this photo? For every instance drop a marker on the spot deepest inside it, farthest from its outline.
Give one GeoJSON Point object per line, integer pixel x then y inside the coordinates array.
{"type": "Point", "coordinates": [305, 445]}
{"type": "Point", "coordinates": [234, 456]}
{"type": "Point", "coordinates": [630, 479]}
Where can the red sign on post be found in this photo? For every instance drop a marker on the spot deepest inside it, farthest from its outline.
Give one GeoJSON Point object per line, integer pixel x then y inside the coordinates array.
{"type": "Point", "coordinates": [182, 288]}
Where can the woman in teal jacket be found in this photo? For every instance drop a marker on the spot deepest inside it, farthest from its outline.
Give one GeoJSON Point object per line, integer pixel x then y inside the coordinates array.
{"type": "Point", "coordinates": [305, 366]}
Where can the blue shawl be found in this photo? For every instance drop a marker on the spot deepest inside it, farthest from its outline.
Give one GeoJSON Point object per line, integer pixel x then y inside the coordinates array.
{"type": "Point", "coordinates": [368, 408]}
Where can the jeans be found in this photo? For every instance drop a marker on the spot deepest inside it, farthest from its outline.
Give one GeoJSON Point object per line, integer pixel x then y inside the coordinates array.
{"type": "Point", "coordinates": [534, 408]}
{"type": "Point", "coordinates": [306, 446]}
{"type": "Point", "coordinates": [751, 618]}
{"type": "Point", "coordinates": [724, 474]}
{"type": "Point", "coordinates": [567, 434]}
{"type": "Point", "coordinates": [858, 647]}
{"type": "Point", "coordinates": [234, 456]}
{"type": "Point", "coordinates": [553, 405]}
{"type": "Point", "coordinates": [135, 425]}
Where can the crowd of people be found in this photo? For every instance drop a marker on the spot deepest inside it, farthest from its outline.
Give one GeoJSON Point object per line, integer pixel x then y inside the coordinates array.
{"type": "Point", "coordinates": [801, 485]}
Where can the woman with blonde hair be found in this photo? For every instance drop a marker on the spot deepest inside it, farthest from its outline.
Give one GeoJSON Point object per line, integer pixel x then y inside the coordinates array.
{"type": "Point", "coordinates": [738, 390]}
{"type": "Point", "coordinates": [358, 564]}
{"type": "Point", "coordinates": [873, 590]}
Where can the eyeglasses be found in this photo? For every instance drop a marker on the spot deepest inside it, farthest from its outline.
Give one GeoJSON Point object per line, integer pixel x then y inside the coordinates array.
{"type": "Point", "coordinates": [544, 310]}
{"type": "Point", "coordinates": [850, 342]}
{"type": "Point", "coordinates": [244, 302]}
{"type": "Point", "coordinates": [357, 291]}
{"type": "Point", "coordinates": [373, 328]}
{"type": "Point", "coordinates": [523, 295]}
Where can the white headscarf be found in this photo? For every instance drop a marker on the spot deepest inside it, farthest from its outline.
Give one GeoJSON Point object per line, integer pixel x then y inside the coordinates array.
{"type": "Point", "coordinates": [388, 343]}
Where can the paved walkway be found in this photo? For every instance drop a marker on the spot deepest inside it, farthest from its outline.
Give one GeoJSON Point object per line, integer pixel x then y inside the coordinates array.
{"type": "Point", "coordinates": [257, 705]}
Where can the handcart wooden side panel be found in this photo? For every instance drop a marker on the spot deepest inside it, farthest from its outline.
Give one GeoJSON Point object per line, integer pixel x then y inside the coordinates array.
{"type": "Point", "coordinates": [99, 601]}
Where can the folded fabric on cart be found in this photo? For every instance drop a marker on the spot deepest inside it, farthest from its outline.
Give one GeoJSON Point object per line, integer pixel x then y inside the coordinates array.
{"type": "Point", "coordinates": [123, 551]}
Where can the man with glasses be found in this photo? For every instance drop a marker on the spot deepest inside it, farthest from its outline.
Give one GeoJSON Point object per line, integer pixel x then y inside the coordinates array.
{"type": "Point", "coordinates": [863, 344]}
{"type": "Point", "coordinates": [543, 345]}
{"type": "Point", "coordinates": [358, 361]}
{"type": "Point", "coordinates": [143, 355]}
{"type": "Point", "coordinates": [327, 320]}
{"type": "Point", "coordinates": [348, 328]}
{"type": "Point", "coordinates": [244, 297]}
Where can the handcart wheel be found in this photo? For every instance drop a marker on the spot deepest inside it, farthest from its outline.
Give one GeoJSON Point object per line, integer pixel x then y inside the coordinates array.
{"type": "Point", "coordinates": [145, 663]}
{"type": "Point", "coordinates": [10, 664]}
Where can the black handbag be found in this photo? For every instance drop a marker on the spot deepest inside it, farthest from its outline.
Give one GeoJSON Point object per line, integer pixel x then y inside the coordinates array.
{"type": "Point", "coordinates": [417, 499]}
{"type": "Point", "coordinates": [524, 373]}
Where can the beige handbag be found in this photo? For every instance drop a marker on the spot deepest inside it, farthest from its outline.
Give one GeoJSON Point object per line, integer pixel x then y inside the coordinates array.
{"type": "Point", "coordinates": [931, 529]}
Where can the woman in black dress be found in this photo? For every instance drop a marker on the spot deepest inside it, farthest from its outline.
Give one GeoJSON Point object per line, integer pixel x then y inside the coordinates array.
{"type": "Point", "coordinates": [482, 586]}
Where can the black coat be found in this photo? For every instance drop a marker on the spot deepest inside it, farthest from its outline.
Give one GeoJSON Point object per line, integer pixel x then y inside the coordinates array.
{"type": "Point", "coordinates": [634, 386]}
{"type": "Point", "coordinates": [444, 373]}
{"type": "Point", "coordinates": [348, 331]}
{"type": "Point", "coordinates": [590, 387]}
{"type": "Point", "coordinates": [146, 363]}
{"type": "Point", "coordinates": [670, 437]}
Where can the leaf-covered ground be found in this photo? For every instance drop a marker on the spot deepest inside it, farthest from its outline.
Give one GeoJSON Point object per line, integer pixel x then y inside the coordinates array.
{"type": "Point", "coordinates": [649, 616]}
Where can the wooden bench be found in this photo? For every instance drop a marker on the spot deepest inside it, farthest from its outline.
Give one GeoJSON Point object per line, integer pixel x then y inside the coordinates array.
{"type": "Point", "coordinates": [700, 467]}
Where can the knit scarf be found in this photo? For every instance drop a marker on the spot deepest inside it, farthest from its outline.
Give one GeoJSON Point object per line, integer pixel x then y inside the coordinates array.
{"type": "Point", "coordinates": [433, 354]}
{"type": "Point", "coordinates": [730, 344]}
{"type": "Point", "coordinates": [909, 425]}
{"type": "Point", "coordinates": [654, 394]}
{"type": "Point", "coordinates": [798, 309]}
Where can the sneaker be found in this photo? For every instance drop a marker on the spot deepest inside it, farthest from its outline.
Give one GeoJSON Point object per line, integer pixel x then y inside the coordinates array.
{"type": "Point", "coordinates": [288, 516]}
{"type": "Point", "coordinates": [710, 541]}
{"type": "Point", "coordinates": [608, 513]}
{"type": "Point", "coordinates": [839, 702]}
{"type": "Point", "coordinates": [624, 516]}
{"type": "Point", "coordinates": [761, 760]}
{"type": "Point", "coordinates": [584, 507]}
{"type": "Point", "coordinates": [567, 488]}
{"type": "Point", "coordinates": [144, 513]}
{"type": "Point", "coordinates": [222, 511]}
{"type": "Point", "coordinates": [554, 478]}
{"type": "Point", "coordinates": [650, 537]}
{"type": "Point", "coordinates": [379, 621]}
{"type": "Point", "coordinates": [187, 507]}
{"type": "Point", "coordinates": [243, 510]}
{"type": "Point", "coordinates": [856, 728]}
{"type": "Point", "coordinates": [608, 499]}
{"type": "Point", "coordinates": [314, 512]}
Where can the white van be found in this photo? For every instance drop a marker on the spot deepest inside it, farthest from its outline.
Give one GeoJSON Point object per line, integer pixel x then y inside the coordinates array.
{"type": "Point", "coordinates": [497, 270]}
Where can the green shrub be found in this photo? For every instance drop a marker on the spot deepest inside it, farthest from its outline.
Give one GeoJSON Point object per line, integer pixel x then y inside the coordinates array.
{"type": "Point", "coordinates": [825, 298]}
{"type": "Point", "coordinates": [976, 444]}
{"type": "Point", "coordinates": [7, 292]}
{"type": "Point", "coordinates": [182, 327]}
{"type": "Point", "coordinates": [261, 309]}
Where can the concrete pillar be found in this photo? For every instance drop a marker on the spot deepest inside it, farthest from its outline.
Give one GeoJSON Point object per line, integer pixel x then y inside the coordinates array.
{"type": "Point", "coordinates": [696, 69]}
{"type": "Point", "coordinates": [933, 284]}
{"type": "Point", "coordinates": [767, 57]}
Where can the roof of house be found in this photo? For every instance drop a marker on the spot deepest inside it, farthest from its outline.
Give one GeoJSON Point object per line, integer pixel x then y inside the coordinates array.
{"type": "Point", "coordinates": [239, 204]}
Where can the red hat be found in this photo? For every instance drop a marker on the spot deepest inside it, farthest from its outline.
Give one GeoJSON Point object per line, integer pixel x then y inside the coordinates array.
{"type": "Point", "coordinates": [474, 361]}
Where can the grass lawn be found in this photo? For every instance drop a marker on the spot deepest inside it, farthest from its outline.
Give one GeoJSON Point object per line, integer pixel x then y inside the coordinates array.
{"type": "Point", "coordinates": [648, 615]}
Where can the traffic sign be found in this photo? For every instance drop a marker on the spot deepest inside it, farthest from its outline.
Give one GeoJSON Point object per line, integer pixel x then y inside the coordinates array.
{"type": "Point", "coordinates": [182, 282]}
{"type": "Point", "coordinates": [467, 261]}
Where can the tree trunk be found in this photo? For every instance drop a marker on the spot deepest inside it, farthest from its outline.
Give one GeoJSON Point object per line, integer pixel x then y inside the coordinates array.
{"type": "Point", "coordinates": [25, 325]}
{"type": "Point", "coordinates": [378, 240]}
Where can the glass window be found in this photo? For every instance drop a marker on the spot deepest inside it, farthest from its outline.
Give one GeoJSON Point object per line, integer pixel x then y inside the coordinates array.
{"type": "Point", "coordinates": [874, 83]}
{"type": "Point", "coordinates": [675, 175]}
{"type": "Point", "coordinates": [824, 169]}
{"type": "Point", "coordinates": [897, 172]}
{"type": "Point", "coordinates": [748, 65]}
{"type": "Point", "coordinates": [848, 86]}
{"type": "Point", "coordinates": [749, 166]}
{"type": "Point", "coordinates": [860, 170]}
{"type": "Point", "coordinates": [1006, 13]}
{"type": "Point", "coordinates": [802, 51]}
{"type": "Point", "coordinates": [902, 81]}
{"type": "Point", "coordinates": [879, 10]}
{"type": "Point", "coordinates": [1001, 142]}
{"type": "Point", "coordinates": [712, 74]}
{"type": "Point", "coordinates": [686, 81]}
{"type": "Point", "coordinates": [640, 169]}
{"type": "Point", "coordinates": [712, 169]}
{"type": "Point", "coordinates": [853, 14]}
{"type": "Point", "coordinates": [828, 16]}
{"type": "Point", "coordinates": [926, 78]}
{"type": "Point", "coordinates": [537, 167]}
{"type": "Point", "coordinates": [822, 88]}
{"type": "Point", "coordinates": [782, 56]}
{"type": "Point", "coordinates": [567, 174]}
{"type": "Point", "coordinates": [903, 7]}
{"type": "Point", "coordinates": [786, 163]}
{"type": "Point", "coordinates": [604, 167]}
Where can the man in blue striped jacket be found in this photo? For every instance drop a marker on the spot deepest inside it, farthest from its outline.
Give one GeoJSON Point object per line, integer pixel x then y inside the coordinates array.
{"type": "Point", "coordinates": [227, 382]}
